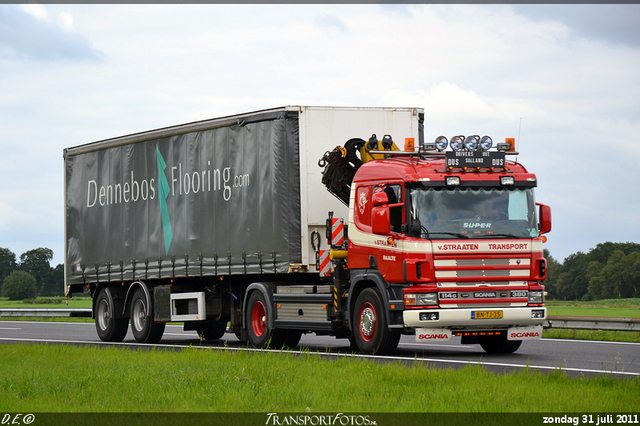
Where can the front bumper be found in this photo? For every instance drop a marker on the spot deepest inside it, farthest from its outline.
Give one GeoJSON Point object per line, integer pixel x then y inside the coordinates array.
{"type": "Point", "coordinates": [464, 318]}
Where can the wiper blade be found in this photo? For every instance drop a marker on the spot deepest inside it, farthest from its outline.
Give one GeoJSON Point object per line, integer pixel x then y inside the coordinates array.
{"type": "Point", "coordinates": [504, 236]}
{"type": "Point", "coordinates": [455, 234]}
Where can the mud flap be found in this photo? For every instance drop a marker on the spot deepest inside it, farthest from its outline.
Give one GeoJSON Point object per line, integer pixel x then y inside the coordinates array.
{"type": "Point", "coordinates": [431, 334]}
{"type": "Point", "coordinates": [532, 332]}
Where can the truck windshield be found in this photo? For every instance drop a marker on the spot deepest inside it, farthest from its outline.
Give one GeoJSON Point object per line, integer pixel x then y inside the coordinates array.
{"type": "Point", "coordinates": [474, 213]}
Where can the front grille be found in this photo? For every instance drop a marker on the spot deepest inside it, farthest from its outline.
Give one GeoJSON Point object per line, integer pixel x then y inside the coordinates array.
{"type": "Point", "coordinates": [474, 268]}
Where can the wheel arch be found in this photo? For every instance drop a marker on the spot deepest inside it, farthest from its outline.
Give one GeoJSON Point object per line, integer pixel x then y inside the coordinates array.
{"type": "Point", "coordinates": [129, 295]}
{"type": "Point", "coordinates": [117, 297]}
{"type": "Point", "coordinates": [362, 280]}
{"type": "Point", "coordinates": [267, 290]}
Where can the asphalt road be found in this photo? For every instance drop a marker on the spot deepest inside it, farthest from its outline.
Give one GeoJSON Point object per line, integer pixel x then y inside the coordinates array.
{"type": "Point", "coordinates": [574, 357]}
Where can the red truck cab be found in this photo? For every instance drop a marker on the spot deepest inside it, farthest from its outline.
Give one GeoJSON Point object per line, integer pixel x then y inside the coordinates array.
{"type": "Point", "coordinates": [457, 238]}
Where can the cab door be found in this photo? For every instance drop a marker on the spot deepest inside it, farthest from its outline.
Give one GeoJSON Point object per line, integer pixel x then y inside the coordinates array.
{"type": "Point", "coordinates": [387, 220]}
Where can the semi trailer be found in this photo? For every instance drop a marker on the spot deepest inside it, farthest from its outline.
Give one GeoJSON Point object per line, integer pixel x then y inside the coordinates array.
{"type": "Point", "coordinates": [291, 220]}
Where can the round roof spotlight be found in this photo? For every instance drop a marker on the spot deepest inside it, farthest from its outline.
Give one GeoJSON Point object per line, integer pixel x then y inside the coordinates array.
{"type": "Point", "coordinates": [471, 143]}
{"type": "Point", "coordinates": [457, 143]}
{"type": "Point", "coordinates": [441, 143]}
{"type": "Point", "coordinates": [486, 143]}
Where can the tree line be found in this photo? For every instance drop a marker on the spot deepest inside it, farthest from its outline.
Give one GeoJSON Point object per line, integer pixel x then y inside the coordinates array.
{"type": "Point", "coordinates": [31, 275]}
{"type": "Point", "coordinates": [608, 271]}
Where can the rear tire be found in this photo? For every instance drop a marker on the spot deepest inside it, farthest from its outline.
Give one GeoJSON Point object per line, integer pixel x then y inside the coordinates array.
{"type": "Point", "coordinates": [499, 344]}
{"type": "Point", "coordinates": [370, 329]}
{"type": "Point", "coordinates": [260, 336]}
{"type": "Point", "coordinates": [109, 329]}
{"type": "Point", "coordinates": [144, 329]}
{"type": "Point", "coordinates": [212, 330]}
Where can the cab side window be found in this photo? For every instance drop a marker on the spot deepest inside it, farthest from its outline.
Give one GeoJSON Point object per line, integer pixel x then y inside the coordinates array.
{"type": "Point", "coordinates": [396, 205]}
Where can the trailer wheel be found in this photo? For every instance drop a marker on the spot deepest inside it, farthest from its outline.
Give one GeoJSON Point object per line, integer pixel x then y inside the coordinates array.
{"type": "Point", "coordinates": [212, 330]}
{"type": "Point", "coordinates": [371, 332]}
{"type": "Point", "coordinates": [109, 328]}
{"type": "Point", "coordinates": [498, 344]}
{"type": "Point", "coordinates": [260, 336]}
{"type": "Point", "coordinates": [144, 329]}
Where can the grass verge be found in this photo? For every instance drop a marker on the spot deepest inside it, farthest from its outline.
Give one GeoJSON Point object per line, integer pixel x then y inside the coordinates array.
{"type": "Point", "coordinates": [604, 335]}
{"type": "Point", "coordinates": [61, 378]}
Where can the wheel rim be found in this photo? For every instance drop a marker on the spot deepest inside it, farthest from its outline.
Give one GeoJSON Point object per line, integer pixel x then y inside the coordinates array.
{"type": "Point", "coordinates": [103, 315]}
{"type": "Point", "coordinates": [367, 322]}
{"type": "Point", "coordinates": [258, 319]}
{"type": "Point", "coordinates": [138, 316]}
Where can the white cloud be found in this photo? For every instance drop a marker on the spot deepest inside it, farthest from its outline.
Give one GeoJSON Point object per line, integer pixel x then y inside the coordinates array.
{"type": "Point", "coordinates": [65, 20]}
{"type": "Point", "coordinates": [36, 10]}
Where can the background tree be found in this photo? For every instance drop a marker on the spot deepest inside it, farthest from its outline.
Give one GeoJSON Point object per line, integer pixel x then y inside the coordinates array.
{"type": "Point", "coordinates": [54, 285]}
{"type": "Point", "coordinates": [36, 263]}
{"type": "Point", "coordinates": [618, 278]}
{"type": "Point", "coordinates": [7, 263]}
{"type": "Point", "coordinates": [19, 285]}
{"type": "Point", "coordinates": [553, 270]}
{"type": "Point", "coordinates": [610, 270]}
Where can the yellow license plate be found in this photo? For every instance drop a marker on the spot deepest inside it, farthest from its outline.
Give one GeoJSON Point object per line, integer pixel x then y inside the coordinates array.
{"type": "Point", "coordinates": [486, 314]}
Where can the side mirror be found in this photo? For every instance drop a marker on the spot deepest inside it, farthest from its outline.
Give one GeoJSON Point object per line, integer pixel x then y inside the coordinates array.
{"type": "Point", "coordinates": [415, 229]}
{"type": "Point", "coordinates": [380, 198]}
{"type": "Point", "coordinates": [545, 218]}
{"type": "Point", "coordinates": [381, 220]}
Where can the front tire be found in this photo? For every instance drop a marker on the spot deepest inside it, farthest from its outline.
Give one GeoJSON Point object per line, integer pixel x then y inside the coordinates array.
{"type": "Point", "coordinates": [370, 329]}
{"type": "Point", "coordinates": [144, 329]}
{"type": "Point", "coordinates": [499, 344]}
{"type": "Point", "coordinates": [260, 336]}
{"type": "Point", "coordinates": [292, 338]}
{"type": "Point", "coordinates": [109, 329]}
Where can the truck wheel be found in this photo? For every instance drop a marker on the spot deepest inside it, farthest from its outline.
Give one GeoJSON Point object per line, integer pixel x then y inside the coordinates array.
{"type": "Point", "coordinates": [109, 329]}
{"type": "Point", "coordinates": [292, 338]}
{"type": "Point", "coordinates": [371, 332]}
{"type": "Point", "coordinates": [144, 329]}
{"type": "Point", "coordinates": [212, 330]}
{"type": "Point", "coordinates": [257, 324]}
{"type": "Point", "coordinates": [499, 344]}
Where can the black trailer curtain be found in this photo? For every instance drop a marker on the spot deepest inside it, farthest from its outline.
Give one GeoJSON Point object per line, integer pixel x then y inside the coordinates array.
{"type": "Point", "coordinates": [213, 202]}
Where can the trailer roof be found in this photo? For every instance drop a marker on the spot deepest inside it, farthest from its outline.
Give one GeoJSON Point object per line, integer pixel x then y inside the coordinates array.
{"type": "Point", "coordinates": [213, 123]}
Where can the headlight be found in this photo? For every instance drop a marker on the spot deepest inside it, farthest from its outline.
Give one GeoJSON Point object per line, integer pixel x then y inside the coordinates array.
{"type": "Point", "coordinates": [457, 142]}
{"type": "Point", "coordinates": [471, 143]}
{"type": "Point", "coordinates": [486, 143]}
{"type": "Point", "coordinates": [507, 180]}
{"type": "Point", "coordinates": [421, 299]}
{"type": "Point", "coordinates": [441, 143]}
{"type": "Point", "coordinates": [537, 313]}
{"type": "Point", "coordinates": [452, 180]}
{"type": "Point", "coordinates": [536, 297]}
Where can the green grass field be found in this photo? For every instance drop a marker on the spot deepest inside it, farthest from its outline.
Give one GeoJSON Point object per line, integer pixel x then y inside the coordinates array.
{"type": "Point", "coordinates": [61, 378]}
{"type": "Point", "coordinates": [47, 302]}
{"type": "Point", "coordinates": [617, 308]}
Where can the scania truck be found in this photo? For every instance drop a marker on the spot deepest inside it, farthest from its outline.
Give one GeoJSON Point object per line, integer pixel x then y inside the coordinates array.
{"type": "Point", "coordinates": [292, 220]}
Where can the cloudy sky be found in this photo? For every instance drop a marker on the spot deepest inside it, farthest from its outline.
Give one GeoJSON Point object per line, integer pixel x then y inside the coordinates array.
{"type": "Point", "coordinates": [563, 79]}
